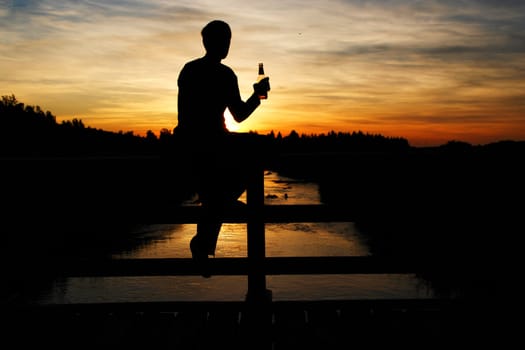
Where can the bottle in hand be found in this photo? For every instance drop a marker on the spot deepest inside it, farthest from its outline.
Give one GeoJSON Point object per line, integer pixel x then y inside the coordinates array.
{"type": "Point", "coordinates": [261, 76]}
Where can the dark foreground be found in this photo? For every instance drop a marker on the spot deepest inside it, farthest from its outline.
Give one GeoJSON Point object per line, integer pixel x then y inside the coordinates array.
{"type": "Point", "coordinates": [461, 213]}
{"type": "Point", "coordinates": [347, 324]}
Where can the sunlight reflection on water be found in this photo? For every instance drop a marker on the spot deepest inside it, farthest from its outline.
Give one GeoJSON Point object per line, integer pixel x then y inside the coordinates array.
{"type": "Point", "coordinates": [291, 239]}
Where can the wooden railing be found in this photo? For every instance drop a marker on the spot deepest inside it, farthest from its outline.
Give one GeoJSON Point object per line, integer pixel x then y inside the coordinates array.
{"type": "Point", "coordinates": [258, 306]}
{"type": "Point", "coordinates": [256, 266]}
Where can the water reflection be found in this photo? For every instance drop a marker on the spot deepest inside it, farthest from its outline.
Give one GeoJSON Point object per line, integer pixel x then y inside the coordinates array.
{"type": "Point", "coordinates": [295, 239]}
{"type": "Point", "coordinates": [291, 239]}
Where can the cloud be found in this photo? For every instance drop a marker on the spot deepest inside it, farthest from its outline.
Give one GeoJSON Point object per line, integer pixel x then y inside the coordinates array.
{"type": "Point", "coordinates": [370, 62]}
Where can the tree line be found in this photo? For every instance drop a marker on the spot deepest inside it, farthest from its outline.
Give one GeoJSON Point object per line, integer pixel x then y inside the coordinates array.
{"type": "Point", "coordinates": [30, 131]}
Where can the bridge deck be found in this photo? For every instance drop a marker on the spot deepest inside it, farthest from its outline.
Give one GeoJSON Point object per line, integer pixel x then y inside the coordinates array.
{"type": "Point", "coordinates": [336, 324]}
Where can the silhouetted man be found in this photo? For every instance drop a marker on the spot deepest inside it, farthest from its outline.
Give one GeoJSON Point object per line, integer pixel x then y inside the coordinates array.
{"type": "Point", "coordinates": [206, 88]}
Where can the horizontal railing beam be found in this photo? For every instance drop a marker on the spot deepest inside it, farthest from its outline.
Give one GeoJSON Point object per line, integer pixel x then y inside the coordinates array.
{"type": "Point", "coordinates": [235, 266]}
{"type": "Point", "coordinates": [428, 304]}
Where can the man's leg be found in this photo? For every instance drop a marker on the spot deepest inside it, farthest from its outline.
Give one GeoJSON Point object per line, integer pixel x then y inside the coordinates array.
{"type": "Point", "coordinates": [203, 243]}
{"type": "Point", "coordinates": [208, 230]}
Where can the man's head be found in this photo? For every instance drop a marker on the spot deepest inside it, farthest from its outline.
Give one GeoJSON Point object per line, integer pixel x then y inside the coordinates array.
{"type": "Point", "coordinates": [216, 37]}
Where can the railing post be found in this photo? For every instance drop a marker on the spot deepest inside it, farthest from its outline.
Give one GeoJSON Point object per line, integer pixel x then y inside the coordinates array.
{"type": "Point", "coordinates": [258, 315]}
{"type": "Point", "coordinates": [257, 291]}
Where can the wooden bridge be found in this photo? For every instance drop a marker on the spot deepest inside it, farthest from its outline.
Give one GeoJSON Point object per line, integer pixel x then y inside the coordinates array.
{"type": "Point", "coordinates": [258, 322]}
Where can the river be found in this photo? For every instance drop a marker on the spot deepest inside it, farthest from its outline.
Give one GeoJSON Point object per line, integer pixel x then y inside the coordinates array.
{"type": "Point", "coordinates": [293, 239]}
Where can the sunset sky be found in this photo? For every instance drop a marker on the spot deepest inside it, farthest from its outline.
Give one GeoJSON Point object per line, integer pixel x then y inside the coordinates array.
{"type": "Point", "coordinates": [429, 71]}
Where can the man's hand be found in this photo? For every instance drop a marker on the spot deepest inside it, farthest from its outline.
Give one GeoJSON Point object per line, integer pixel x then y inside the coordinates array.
{"type": "Point", "coordinates": [262, 87]}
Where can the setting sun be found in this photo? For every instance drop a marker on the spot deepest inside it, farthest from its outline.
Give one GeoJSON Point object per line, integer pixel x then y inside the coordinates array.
{"type": "Point", "coordinates": [231, 124]}
{"type": "Point", "coordinates": [427, 71]}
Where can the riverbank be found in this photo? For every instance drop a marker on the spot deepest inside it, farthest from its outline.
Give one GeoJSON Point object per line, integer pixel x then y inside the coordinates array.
{"type": "Point", "coordinates": [456, 209]}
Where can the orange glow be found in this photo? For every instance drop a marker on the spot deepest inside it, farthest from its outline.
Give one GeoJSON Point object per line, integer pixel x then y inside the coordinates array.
{"type": "Point", "coordinates": [381, 68]}
{"type": "Point", "coordinates": [231, 124]}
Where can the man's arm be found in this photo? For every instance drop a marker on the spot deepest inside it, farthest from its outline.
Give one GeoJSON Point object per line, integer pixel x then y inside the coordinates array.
{"type": "Point", "coordinates": [239, 109]}
{"type": "Point", "coordinates": [242, 110]}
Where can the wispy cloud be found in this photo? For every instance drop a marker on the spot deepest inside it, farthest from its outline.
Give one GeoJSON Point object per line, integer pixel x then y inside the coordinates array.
{"type": "Point", "coordinates": [386, 66]}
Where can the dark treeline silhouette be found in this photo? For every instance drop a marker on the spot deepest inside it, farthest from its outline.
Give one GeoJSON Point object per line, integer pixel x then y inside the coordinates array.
{"type": "Point", "coordinates": [30, 131]}
{"type": "Point", "coordinates": [356, 141]}
{"type": "Point", "coordinates": [456, 208]}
